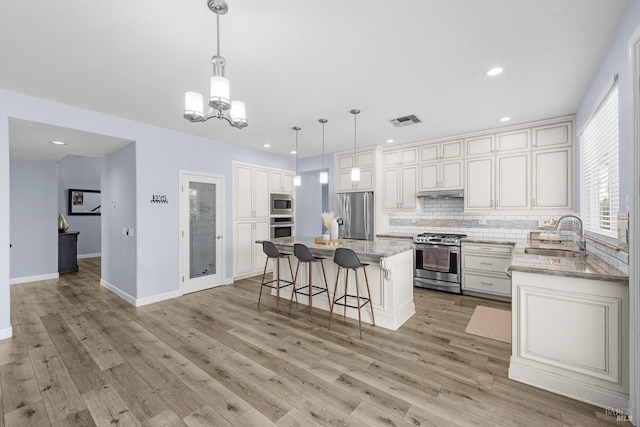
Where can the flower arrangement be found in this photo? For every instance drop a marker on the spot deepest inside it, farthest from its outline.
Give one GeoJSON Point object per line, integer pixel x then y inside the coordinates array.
{"type": "Point", "coordinates": [327, 217]}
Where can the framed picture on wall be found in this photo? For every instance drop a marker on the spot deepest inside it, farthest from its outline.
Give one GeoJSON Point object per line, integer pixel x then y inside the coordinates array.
{"type": "Point", "coordinates": [84, 202]}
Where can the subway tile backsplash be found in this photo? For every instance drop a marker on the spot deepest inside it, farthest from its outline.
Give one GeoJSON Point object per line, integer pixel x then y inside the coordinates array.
{"type": "Point", "coordinates": [448, 215]}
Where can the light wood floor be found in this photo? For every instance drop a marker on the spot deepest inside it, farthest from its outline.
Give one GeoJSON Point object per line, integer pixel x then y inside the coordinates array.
{"type": "Point", "coordinates": [82, 356]}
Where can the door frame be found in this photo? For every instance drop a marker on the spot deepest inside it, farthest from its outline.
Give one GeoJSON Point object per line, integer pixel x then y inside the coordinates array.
{"type": "Point", "coordinates": [184, 223]}
{"type": "Point", "coordinates": [634, 231]}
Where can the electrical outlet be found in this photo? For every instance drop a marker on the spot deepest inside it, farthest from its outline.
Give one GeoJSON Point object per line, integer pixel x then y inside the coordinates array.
{"type": "Point", "coordinates": [482, 221]}
{"type": "Point", "coordinates": [130, 232]}
{"type": "Point", "coordinates": [124, 231]}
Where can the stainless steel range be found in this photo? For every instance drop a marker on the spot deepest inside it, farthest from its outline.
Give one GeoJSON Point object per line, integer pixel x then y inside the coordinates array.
{"type": "Point", "coordinates": [436, 262]}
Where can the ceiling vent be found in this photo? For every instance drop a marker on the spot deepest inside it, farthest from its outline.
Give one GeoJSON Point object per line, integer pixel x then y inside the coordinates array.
{"type": "Point", "coordinates": [405, 121]}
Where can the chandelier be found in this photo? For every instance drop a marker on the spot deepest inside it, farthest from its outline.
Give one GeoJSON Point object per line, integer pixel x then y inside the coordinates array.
{"type": "Point", "coordinates": [324, 175]}
{"type": "Point", "coordinates": [219, 98]}
{"type": "Point", "coordinates": [297, 180]}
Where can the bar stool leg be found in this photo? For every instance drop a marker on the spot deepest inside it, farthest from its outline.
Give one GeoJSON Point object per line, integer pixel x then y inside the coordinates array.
{"type": "Point", "coordinates": [309, 265]}
{"type": "Point", "coordinates": [295, 279]}
{"type": "Point", "coordinates": [277, 284]}
{"type": "Point", "coordinates": [333, 303]}
{"type": "Point", "coordinates": [266, 261]}
{"type": "Point", "coordinates": [326, 284]}
{"type": "Point", "coordinates": [346, 290]}
{"type": "Point", "coordinates": [366, 279]}
{"type": "Point", "coordinates": [291, 272]}
{"type": "Point", "coordinates": [355, 272]}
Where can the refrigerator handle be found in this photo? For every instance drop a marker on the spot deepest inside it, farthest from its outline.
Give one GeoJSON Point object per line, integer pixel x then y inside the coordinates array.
{"type": "Point", "coordinates": [366, 216]}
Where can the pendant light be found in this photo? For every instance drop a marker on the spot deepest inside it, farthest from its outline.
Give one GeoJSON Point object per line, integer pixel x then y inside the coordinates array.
{"type": "Point", "coordinates": [219, 98]}
{"type": "Point", "coordinates": [324, 175]}
{"type": "Point", "coordinates": [297, 180]}
{"type": "Point", "coordinates": [355, 171]}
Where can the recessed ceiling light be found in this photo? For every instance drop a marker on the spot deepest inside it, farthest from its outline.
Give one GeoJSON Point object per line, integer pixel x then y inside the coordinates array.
{"type": "Point", "coordinates": [294, 152]}
{"type": "Point", "coordinates": [390, 141]}
{"type": "Point", "coordinates": [266, 145]}
{"type": "Point", "coordinates": [494, 71]}
{"type": "Point", "coordinates": [505, 119]}
{"type": "Point", "coordinates": [58, 142]}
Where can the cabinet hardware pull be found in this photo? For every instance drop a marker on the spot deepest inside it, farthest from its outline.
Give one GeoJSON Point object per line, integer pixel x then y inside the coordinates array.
{"type": "Point", "coordinates": [486, 283]}
{"type": "Point", "coordinates": [486, 263]}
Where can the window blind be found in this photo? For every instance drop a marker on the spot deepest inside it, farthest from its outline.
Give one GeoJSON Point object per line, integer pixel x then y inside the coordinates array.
{"type": "Point", "coordinates": [599, 193]}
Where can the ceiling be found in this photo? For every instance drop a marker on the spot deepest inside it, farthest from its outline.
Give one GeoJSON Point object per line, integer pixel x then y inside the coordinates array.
{"type": "Point", "coordinates": [294, 62]}
{"type": "Point", "coordinates": [31, 141]}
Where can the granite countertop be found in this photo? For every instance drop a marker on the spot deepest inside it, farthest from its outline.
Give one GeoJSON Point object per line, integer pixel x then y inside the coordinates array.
{"type": "Point", "coordinates": [367, 251]}
{"type": "Point", "coordinates": [589, 267]}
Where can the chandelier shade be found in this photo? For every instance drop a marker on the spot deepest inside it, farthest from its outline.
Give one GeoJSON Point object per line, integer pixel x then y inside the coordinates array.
{"type": "Point", "coordinates": [324, 177]}
{"type": "Point", "coordinates": [219, 97]}
{"type": "Point", "coordinates": [219, 89]}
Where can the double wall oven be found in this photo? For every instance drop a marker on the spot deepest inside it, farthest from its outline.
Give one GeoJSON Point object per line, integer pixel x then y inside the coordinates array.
{"type": "Point", "coordinates": [437, 262]}
{"type": "Point", "coordinates": [282, 222]}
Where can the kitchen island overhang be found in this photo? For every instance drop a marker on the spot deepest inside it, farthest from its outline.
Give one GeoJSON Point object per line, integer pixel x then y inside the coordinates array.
{"type": "Point", "coordinates": [390, 274]}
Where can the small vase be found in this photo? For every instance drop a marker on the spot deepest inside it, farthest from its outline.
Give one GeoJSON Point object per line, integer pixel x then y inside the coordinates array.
{"type": "Point", "coordinates": [333, 231]}
{"type": "Point", "coordinates": [63, 225]}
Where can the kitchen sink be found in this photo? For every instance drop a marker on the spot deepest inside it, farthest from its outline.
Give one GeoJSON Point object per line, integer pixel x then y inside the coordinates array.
{"type": "Point", "coordinates": [550, 252]}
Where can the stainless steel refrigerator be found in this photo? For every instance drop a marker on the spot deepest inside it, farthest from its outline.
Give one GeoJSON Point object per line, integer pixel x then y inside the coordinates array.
{"type": "Point", "coordinates": [356, 213]}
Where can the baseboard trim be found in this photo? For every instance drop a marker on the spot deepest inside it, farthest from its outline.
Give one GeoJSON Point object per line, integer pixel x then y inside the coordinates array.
{"type": "Point", "coordinates": [157, 298]}
{"type": "Point", "coordinates": [6, 333]}
{"type": "Point", "coordinates": [228, 281]}
{"type": "Point", "coordinates": [139, 302]}
{"type": "Point", "coordinates": [569, 387]}
{"type": "Point", "coordinates": [122, 294]}
{"type": "Point", "coordinates": [38, 278]}
{"type": "Point", "coordinates": [89, 255]}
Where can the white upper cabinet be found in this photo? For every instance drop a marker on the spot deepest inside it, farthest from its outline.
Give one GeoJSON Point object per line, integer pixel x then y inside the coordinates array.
{"type": "Point", "coordinates": [365, 160]}
{"type": "Point", "coordinates": [281, 182]}
{"type": "Point", "coordinates": [399, 188]}
{"type": "Point", "coordinates": [479, 146]}
{"type": "Point", "coordinates": [441, 151]}
{"type": "Point", "coordinates": [478, 194]}
{"type": "Point", "coordinates": [513, 141]}
{"type": "Point", "coordinates": [407, 156]}
{"type": "Point", "coordinates": [512, 181]}
{"type": "Point", "coordinates": [551, 136]}
{"type": "Point", "coordinates": [441, 176]}
{"type": "Point", "coordinates": [552, 179]}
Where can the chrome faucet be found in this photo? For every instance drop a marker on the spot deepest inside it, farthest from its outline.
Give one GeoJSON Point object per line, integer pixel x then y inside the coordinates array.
{"type": "Point", "coordinates": [582, 243]}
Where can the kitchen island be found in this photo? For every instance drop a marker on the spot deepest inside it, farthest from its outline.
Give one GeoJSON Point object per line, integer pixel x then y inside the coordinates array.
{"type": "Point", "coordinates": [390, 273]}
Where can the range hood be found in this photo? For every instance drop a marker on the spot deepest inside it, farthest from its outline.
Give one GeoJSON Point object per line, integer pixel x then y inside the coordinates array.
{"type": "Point", "coordinates": [442, 194]}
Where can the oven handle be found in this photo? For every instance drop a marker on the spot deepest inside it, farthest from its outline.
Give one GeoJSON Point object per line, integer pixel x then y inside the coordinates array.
{"type": "Point", "coordinates": [455, 249]}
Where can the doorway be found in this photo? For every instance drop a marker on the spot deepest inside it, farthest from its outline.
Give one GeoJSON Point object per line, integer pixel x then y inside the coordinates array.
{"type": "Point", "coordinates": [201, 226]}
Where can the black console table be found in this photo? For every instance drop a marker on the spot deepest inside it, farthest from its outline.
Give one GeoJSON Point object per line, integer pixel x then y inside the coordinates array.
{"type": "Point", "coordinates": [68, 251]}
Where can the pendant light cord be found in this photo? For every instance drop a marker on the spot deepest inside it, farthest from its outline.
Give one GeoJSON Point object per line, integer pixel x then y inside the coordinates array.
{"type": "Point", "coordinates": [218, 33]}
{"type": "Point", "coordinates": [355, 128]}
{"type": "Point", "coordinates": [322, 147]}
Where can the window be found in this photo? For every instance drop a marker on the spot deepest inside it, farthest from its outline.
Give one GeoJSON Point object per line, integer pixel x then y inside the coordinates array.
{"type": "Point", "coordinates": [599, 163]}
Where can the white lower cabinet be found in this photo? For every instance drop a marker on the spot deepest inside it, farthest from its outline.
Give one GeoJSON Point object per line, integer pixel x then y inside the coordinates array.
{"type": "Point", "coordinates": [483, 270]}
{"type": "Point", "coordinates": [570, 336]}
{"type": "Point", "coordinates": [248, 257]}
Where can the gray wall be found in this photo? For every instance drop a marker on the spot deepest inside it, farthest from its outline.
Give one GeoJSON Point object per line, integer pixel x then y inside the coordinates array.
{"type": "Point", "coordinates": [119, 210]}
{"type": "Point", "coordinates": [616, 61]}
{"type": "Point", "coordinates": [309, 197]}
{"type": "Point", "coordinates": [34, 218]}
{"type": "Point", "coordinates": [81, 173]}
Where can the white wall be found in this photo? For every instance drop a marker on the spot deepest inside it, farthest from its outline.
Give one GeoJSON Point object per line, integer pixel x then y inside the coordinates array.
{"type": "Point", "coordinates": [81, 173]}
{"type": "Point", "coordinates": [33, 219]}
